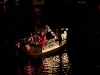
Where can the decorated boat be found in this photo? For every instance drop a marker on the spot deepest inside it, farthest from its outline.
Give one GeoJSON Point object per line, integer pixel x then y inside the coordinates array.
{"type": "Point", "coordinates": [43, 42]}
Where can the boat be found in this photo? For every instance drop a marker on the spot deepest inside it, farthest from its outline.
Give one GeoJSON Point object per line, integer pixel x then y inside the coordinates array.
{"type": "Point", "coordinates": [47, 46]}
{"type": "Point", "coordinates": [38, 52]}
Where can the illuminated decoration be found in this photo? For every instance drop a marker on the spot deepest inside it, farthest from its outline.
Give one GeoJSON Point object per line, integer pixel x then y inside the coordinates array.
{"type": "Point", "coordinates": [62, 28]}
{"type": "Point", "coordinates": [51, 43]}
{"type": "Point", "coordinates": [66, 28]}
{"type": "Point", "coordinates": [64, 35]}
{"type": "Point", "coordinates": [51, 31]}
{"type": "Point", "coordinates": [38, 2]}
{"type": "Point", "coordinates": [48, 29]}
{"type": "Point", "coordinates": [48, 48]}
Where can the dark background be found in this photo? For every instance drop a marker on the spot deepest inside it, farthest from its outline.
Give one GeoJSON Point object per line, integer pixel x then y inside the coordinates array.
{"type": "Point", "coordinates": [81, 19]}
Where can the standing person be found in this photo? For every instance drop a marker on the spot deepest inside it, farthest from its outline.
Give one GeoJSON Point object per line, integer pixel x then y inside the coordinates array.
{"type": "Point", "coordinates": [48, 33]}
{"type": "Point", "coordinates": [38, 39]}
{"type": "Point", "coordinates": [31, 38]}
{"type": "Point", "coordinates": [43, 39]}
{"type": "Point", "coordinates": [58, 33]}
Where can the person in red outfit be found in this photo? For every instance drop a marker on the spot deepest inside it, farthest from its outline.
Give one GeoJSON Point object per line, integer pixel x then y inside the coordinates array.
{"type": "Point", "coordinates": [58, 31]}
{"type": "Point", "coordinates": [43, 39]}
{"type": "Point", "coordinates": [38, 40]}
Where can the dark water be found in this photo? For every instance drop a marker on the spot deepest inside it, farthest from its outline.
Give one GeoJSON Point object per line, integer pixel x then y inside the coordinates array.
{"type": "Point", "coordinates": [56, 64]}
{"type": "Point", "coordinates": [82, 53]}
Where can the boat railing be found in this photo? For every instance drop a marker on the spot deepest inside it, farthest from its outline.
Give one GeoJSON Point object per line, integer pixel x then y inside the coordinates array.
{"type": "Point", "coordinates": [50, 45]}
{"type": "Point", "coordinates": [50, 41]}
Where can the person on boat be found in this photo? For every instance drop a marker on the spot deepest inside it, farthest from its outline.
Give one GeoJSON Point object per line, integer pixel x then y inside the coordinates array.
{"type": "Point", "coordinates": [58, 32]}
{"type": "Point", "coordinates": [31, 38]}
{"type": "Point", "coordinates": [38, 38]}
{"type": "Point", "coordinates": [64, 34]}
{"type": "Point", "coordinates": [47, 29]}
{"type": "Point", "coordinates": [48, 33]}
{"type": "Point", "coordinates": [43, 39]}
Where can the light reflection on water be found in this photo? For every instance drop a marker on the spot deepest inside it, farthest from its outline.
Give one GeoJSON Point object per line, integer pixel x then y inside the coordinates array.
{"type": "Point", "coordinates": [52, 65]}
